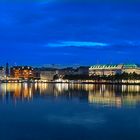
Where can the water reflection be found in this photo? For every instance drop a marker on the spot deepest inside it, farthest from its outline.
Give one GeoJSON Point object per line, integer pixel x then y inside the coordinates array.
{"type": "Point", "coordinates": [102, 95]}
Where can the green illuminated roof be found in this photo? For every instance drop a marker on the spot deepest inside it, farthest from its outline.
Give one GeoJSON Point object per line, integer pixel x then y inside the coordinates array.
{"type": "Point", "coordinates": [130, 66]}
{"type": "Point", "coordinates": [127, 66]}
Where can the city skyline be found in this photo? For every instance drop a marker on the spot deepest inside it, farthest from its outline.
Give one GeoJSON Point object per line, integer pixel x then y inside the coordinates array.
{"type": "Point", "coordinates": [58, 32]}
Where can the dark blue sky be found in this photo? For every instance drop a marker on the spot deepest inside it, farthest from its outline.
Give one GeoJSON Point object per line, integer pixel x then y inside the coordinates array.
{"type": "Point", "coordinates": [46, 32]}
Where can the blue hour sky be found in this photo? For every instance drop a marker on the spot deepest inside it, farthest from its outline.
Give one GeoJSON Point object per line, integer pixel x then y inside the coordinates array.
{"type": "Point", "coordinates": [43, 32]}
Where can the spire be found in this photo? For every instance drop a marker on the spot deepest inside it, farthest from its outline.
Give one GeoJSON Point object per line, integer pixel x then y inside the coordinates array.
{"type": "Point", "coordinates": [7, 70]}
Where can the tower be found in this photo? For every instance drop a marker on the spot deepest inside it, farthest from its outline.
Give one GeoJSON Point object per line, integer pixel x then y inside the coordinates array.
{"type": "Point", "coordinates": [7, 70]}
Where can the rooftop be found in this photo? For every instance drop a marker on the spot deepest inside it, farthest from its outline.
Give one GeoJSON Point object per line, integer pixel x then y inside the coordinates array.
{"type": "Point", "coordinates": [130, 66]}
{"type": "Point", "coordinates": [104, 66]}
{"type": "Point", "coordinates": [114, 66]}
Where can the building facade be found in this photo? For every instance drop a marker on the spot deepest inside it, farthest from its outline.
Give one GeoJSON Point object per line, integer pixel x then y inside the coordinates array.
{"type": "Point", "coordinates": [22, 72]}
{"type": "Point", "coordinates": [113, 69]}
{"type": "Point", "coordinates": [131, 68]}
{"type": "Point", "coordinates": [82, 70]}
{"type": "Point", "coordinates": [73, 71]}
{"type": "Point", "coordinates": [105, 69]}
{"type": "Point", "coordinates": [66, 71]}
{"type": "Point", "coordinates": [47, 74]}
{"type": "Point", "coordinates": [2, 73]}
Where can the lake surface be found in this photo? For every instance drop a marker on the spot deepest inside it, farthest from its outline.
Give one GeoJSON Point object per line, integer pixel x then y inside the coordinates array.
{"type": "Point", "coordinates": [69, 112]}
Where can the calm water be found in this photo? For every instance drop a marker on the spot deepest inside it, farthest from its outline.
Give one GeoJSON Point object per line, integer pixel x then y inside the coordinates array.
{"type": "Point", "coordinates": [69, 112]}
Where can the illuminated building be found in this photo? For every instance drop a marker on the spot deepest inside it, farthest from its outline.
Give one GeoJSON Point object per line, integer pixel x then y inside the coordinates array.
{"type": "Point", "coordinates": [131, 68]}
{"type": "Point", "coordinates": [47, 74]}
{"type": "Point", "coordinates": [22, 72]}
{"type": "Point", "coordinates": [113, 69]}
{"type": "Point", "coordinates": [105, 69]}
{"type": "Point", "coordinates": [2, 72]}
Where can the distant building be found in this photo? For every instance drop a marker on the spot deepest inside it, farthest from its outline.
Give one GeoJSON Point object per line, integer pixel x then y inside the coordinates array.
{"type": "Point", "coordinates": [2, 73]}
{"type": "Point", "coordinates": [66, 71]}
{"type": "Point", "coordinates": [73, 71]}
{"type": "Point", "coordinates": [105, 69]}
{"type": "Point", "coordinates": [113, 69]}
{"type": "Point", "coordinates": [82, 70]}
{"type": "Point", "coordinates": [7, 70]}
{"type": "Point", "coordinates": [47, 74]}
{"type": "Point", "coordinates": [22, 72]}
{"type": "Point", "coordinates": [131, 68]}
{"type": "Point", "coordinates": [37, 73]}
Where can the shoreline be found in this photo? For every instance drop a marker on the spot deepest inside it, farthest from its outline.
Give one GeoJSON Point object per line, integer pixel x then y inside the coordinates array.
{"type": "Point", "coordinates": [72, 82]}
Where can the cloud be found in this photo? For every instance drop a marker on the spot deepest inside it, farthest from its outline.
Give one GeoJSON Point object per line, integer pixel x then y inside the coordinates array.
{"type": "Point", "coordinates": [77, 44]}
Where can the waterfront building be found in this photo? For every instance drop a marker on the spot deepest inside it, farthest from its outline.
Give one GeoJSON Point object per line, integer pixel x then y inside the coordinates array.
{"type": "Point", "coordinates": [105, 69]}
{"type": "Point", "coordinates": [82, 71]}
{"type": "Point", "coordinates": [66, 71]}
{"type": "Point", "coordinates": [37, 73]}
{"type": "Point", "coordinates": [73, 71]}
{"type": "Point", "coordinates": [131, 68]}
{"type": "Point", "coordinates": [50, 74]}
{"type": "Point", "coordinates": [114, 69]}
{"type": "Point", "coordinates": [47, 74]}
{"type": "Point", "coordinates": [2, 73]}
{"type": "Point", "coordinates": [22, 72]}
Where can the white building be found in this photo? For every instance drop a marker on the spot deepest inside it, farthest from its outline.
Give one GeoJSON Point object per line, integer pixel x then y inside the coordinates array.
{"type": "Point", "coordinates": [105, 69]}
{"type": "Point", "coordinates": [2, 73]}
{"type": "Point", "coordinates": [131, 68]}
{"type": "Point", "coordinates": [113, 69]}
{"type": "Point", "coordinates": [48, 74]}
